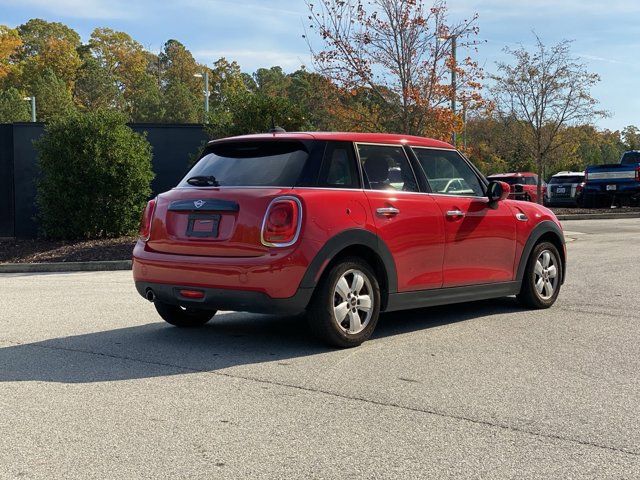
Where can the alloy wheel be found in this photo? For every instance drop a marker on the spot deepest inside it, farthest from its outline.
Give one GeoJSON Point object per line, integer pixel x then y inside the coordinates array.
{"type": "Point", "coordinates": [353, 301]}
{"type": "Point", "coordinates": [545, 274]}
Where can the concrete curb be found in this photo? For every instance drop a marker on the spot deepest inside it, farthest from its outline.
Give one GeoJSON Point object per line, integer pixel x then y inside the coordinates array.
{"type": "Point", "coordinates": [598, 216]}
{"type": "Point", "coordinates": [65, 266]}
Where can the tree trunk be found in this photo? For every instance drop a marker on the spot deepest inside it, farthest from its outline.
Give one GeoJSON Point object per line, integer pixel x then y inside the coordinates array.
{"type": "Point", "coordinates": [539, 173]}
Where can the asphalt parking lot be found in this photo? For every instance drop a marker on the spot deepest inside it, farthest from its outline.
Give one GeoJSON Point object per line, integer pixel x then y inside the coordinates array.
{"type": "Point", "coordinates": [94, 385]}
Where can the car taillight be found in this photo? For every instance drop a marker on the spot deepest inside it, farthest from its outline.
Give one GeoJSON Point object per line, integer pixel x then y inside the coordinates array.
{"type": "Point", "coordinates": [638, 174]}
{"type": "Point", "coordinates": [579, 187]}
{"type": "Point", "coordinates": [145, 221]}
{"type": "Point", "coordinates": [282, 222]}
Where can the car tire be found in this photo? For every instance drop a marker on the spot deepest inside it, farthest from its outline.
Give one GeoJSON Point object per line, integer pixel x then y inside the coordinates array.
{"type": "Point", "coordinates": [542, 277]}
{"type": "Point", "coordinates": [183, 317]}
{"type": "Point", "coordinates": [345, 306]}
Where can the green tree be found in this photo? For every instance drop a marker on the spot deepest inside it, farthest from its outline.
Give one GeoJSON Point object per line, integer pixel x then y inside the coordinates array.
{"type": "Point", "coordinates": [182, 91]}
{"type": "Point", "coordinates": [53, 98]}
{"type": "Point", "coordinates": [248, 112]}
{"type": "Point", "coordinates": [95, 178]}
{"type": "Point", "coordinates": [96, 87]}
{"type": "Point", "coordinates": [13, 108]}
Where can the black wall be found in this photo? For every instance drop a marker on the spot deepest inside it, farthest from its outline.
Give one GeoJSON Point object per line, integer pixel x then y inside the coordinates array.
{"type": "Point", "coordinates": [172, 146]}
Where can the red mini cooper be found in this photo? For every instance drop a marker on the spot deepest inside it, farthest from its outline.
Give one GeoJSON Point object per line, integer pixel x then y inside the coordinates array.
{"type": "Point", "coordinates": [343, 226]}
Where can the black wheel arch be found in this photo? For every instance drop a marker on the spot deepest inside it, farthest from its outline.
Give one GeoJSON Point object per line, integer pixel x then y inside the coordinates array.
{"type": "Point", "coordinates": [355, 242]}
{"type": "Point", "coordinates": [546, 230]}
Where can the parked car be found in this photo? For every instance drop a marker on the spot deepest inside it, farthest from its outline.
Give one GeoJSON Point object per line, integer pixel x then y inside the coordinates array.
{"type": "Point", "coordinates": [565, 188]}
{"type": "Point", "coordinates": [614, 183]}
{"type": "Point", "coordinates": [524, 185]}
{"type": "Point", "coordinates": [343, 226]}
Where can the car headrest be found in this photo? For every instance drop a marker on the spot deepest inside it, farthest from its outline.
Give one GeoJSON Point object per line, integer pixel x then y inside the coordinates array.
{"type": "Point", "coordinates": [377, 169]}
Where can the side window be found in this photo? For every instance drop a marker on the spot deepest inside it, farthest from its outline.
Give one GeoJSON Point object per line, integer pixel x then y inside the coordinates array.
{"type": "Point", "coordinates": [386, 167]}
{"type": "Point", "coordinates": [339, 168]}
{"type": "Point", "coordinates": [448, 173]}
{"type": "Point", "coordinates": [532, 180]}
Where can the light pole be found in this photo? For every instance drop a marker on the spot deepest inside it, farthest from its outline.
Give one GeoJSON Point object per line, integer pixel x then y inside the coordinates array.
{"type": "Point", "coordinates": [33, 107]}
{"type": "Point", "coordinates": [454, 65]}
{"type": "Point", "coordinates": [206, 92]}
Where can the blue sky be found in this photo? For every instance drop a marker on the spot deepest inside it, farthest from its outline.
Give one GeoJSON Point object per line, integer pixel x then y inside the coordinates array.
{"type": "Point", "coordinates": [260, 33]}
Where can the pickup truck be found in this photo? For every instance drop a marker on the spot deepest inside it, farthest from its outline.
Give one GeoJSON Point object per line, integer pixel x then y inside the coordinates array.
{"type": "Point", "coordinates": [615, 183]}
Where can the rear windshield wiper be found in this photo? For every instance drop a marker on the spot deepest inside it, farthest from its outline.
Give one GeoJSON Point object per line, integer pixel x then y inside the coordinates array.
{"type": "Point", "coordinates": [203, 181]}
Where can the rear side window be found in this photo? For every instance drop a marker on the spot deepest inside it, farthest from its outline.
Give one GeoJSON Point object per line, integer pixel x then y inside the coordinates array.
{"type": "Point", "coordinates": [630, 158]}
{"type": "Point", "coordinates": [531, 180]}
{"type": "Point", "coordinates": [339, 167]}
{"type": "Point", "coordinates": [386, 167]}
{"type": "Point", "coordinates": [248, 164]}
{"type": "Point", "coordinates": [448, 173]}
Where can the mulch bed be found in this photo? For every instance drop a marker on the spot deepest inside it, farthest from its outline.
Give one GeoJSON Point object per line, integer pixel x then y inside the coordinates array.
{"type": "Point", "coordinates": [46, 251]}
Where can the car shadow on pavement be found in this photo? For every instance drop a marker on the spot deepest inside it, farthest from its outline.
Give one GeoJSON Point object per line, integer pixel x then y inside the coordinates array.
{"type": "Point", "coordinates": [231, 339]}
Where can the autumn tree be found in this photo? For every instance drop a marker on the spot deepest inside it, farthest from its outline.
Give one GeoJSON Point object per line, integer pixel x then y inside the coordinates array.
{"type": "Point", "coordinates": [395, 50]}
{"type": "Point", "coordinates": [125, 62]}
{"type": "Point", "coordinates": [10, 42]}
{"type": "Point", "coordinates": [36, 34]}
{"type": "Point", "coordinates": [547, 89]}
{"type": "Point", "coordinates": [631, 137]}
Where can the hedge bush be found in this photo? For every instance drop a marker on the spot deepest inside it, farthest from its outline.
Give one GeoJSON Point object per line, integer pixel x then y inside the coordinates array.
{"type": "Point", "coordinates": [96, 175]}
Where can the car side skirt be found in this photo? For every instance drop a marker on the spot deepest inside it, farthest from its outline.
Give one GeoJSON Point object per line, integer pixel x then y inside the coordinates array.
{"type": "Point", "coordinates": [446, 296]}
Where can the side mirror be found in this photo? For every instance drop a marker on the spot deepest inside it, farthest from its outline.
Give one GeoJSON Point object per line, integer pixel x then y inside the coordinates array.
{"type": "Point", "coordinates": [498, 191]}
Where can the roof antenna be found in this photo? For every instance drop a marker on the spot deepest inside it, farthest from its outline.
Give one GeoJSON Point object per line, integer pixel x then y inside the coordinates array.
{"type": "Point", "coordinates": [274, 128]}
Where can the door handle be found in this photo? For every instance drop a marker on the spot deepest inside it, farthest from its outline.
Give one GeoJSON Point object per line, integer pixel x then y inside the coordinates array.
{"type": "Point", "coordinates": [455, 213]}
{"type": "Point", "coordinates": [388, 211]}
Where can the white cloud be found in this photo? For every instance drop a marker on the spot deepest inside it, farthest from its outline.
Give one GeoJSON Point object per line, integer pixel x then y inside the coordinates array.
{"type": "Point", "coordinates": [250, 60]}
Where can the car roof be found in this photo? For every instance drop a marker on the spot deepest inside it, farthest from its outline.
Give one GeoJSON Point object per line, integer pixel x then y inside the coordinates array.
{"type": "Point", "coordinates": [568, 174]}
{"type": "Point", "coordinates": [391, 138]}
{"type": "Point", "coordinates": [513, 174]}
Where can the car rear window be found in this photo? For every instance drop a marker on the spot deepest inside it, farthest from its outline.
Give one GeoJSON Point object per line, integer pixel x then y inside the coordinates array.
{"type": "Point", "coordinates": [252, 164]}
{"type": "Point", "coordinates": [630, 158]}
{"type": "Point", "coordinates": [509, 180]}
{"type": "Point", "coordinates": [566, 179]}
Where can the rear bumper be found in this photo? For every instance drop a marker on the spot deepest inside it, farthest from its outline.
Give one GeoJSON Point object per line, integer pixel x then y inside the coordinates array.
{"type": "Point", "coordinates": [276, 276]}
{"type": "Point", "coordinates": [561, 200]}
{"type": "Point", "coordinates": [227, 299]}
{"type": "Point", "coordinates": [622, 189]}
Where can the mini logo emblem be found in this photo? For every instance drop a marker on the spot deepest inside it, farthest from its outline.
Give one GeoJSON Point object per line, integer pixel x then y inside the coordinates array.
{"type": "Point", "coordinates": [198, 203]}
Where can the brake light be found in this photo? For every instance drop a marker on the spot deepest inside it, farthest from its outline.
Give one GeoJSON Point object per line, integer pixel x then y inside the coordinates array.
{"type": "Point", "coordinates": [282, 221]}
{"type": "Point", "coordinates": [638, 174]}
{"type": "Point", "coordinates": [145, 221]}
{"type": "Point", "coordinates": [579, 187]}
